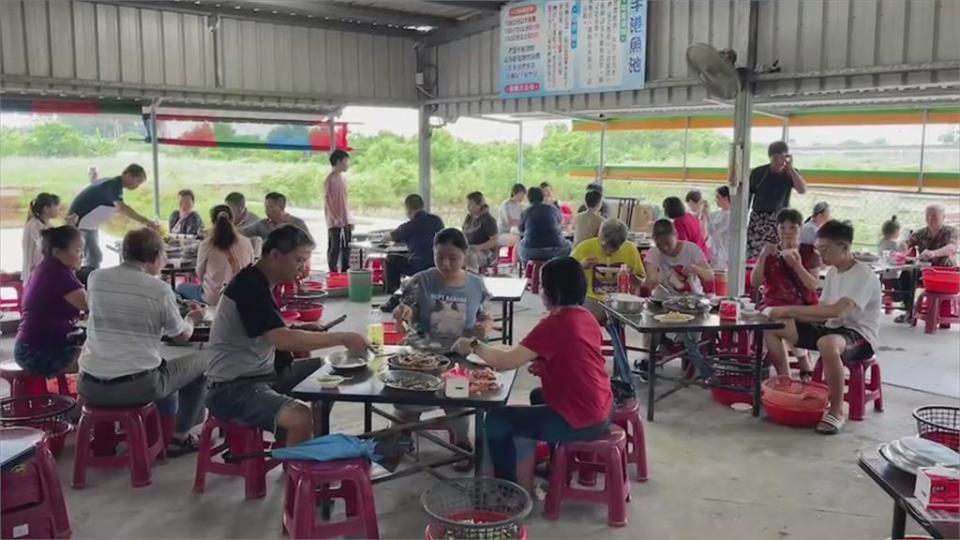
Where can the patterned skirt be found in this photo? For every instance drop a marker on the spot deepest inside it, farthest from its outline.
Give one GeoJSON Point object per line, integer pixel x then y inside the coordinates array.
{"type": "Point", "coordinates": [761, 230]}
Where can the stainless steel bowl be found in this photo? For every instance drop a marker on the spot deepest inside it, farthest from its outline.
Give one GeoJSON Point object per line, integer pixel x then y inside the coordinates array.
{"type": "Point", "coordinates": [626, 306]}
{"type": "Point", "coordinates": [346, 360]}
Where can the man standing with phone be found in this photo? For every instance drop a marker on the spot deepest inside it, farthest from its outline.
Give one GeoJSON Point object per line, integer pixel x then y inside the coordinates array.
{"type": "Point", "coordinates": [770, 189]}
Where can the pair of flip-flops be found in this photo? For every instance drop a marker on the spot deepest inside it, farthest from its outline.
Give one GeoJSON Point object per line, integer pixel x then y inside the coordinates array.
{"type": "Point", "coordinates": [830, 425]}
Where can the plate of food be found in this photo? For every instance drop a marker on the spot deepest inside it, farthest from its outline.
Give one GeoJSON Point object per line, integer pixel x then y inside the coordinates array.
{"type": "Point", "coordinates": [348, 360]}
{"type": "Point", "coordinates": [484, 381]}
{"type": "Point", "coordinates": [418, 360]}
{"type": "Point", "coordinates": [413, 381]}
{"type": "Point", "coordinates": [422, 343]}
{"type": "Point", "coordinates": [690, 304]}
{"type": "Point", "coordinates": [674, 317]}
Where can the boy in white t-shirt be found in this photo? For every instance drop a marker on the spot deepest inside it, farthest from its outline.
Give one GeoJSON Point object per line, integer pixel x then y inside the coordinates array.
{"type": "Point", "coordinates": [681, 268]}
{"type": "Point", "coordinates": [843, 327]}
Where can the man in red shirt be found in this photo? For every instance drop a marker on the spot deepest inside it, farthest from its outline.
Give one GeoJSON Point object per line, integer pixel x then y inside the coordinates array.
{"type": "Point", "coordinates": [575, 400]}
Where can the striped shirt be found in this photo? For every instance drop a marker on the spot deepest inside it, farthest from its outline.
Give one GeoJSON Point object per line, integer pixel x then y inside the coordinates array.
{"type": "Point", "coordinates": [130, 310]}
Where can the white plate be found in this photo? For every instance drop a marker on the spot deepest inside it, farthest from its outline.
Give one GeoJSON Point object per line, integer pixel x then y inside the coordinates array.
{"type": "Point", "coordinates": [663, 318]}
{"type": "Point", "coordinates": [475, 358]}
{"type": "Point", "coordinates": [741, 406]}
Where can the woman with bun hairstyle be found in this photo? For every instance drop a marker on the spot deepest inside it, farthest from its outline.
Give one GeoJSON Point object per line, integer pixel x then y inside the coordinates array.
{"type": "Point", "coordinates": [43, 208]}
{"type": "Point", "coordinates": [222, 254]}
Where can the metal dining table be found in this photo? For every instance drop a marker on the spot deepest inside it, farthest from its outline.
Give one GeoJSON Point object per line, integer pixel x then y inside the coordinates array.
{"type": "Point", "coordinates": [507, 291]}
{"type": "Point", "coordinates": [899, 485]}
{"type": "Point", "coordinates": [711, 324]}
{"type": "Point", "coordinates": [364, 386]}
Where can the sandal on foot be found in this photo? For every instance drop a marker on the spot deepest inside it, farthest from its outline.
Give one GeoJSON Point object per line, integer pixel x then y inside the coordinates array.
{"type": "Point", "coordinates": [180, 447]}
{"type": "Point", "coordinates": [806, 376]}
{"type": "Point", "coordinates": [830, 425]}
{"type": "Point", "coordinates": [903, 318]}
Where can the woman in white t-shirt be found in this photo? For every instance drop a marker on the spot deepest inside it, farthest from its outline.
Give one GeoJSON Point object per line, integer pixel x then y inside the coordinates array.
{"type": "Point", "coordinates": [43, 208]}
{"type": "Point", "coordinates": [221, 255]}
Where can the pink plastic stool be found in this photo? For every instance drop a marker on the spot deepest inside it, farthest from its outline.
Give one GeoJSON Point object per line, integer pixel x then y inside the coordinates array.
{"type": "Point", "coordinates": [608, 455]}
{"type": "Point", "coordinates": [859, 390]}
{"type": "Point", "coordinates": [532, 274]}
{"type": "Point", "coordinates": [144, 436]}
{"type": "Point", "coordinates": [11, 282]}
{"type": "Point", "coordinates": [238, 440]}
{"type": "Point", "coordinates": [310, 481]}
{"type": "Point", "coordinates": [30, 494]}
{"type": "Point", "coordinates": [24, 384]}
{"type": "Point", "coordinates": [936, 309]}
{"type": "Point", "coordinates": [628, 418]}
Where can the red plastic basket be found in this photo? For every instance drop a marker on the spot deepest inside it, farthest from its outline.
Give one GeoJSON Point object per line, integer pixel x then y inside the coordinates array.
{"type": "Point", "coordinates": [337, 280]}
{"type": "Point", "coordinates": [435, 531]}
{"type": "Point", "coordinates": [727, 396]}
{"type": "Point", "coordinates": [794, 403]}
{"type": "Point", "coordinates": [391, 336]}
{"type": "Point", "coordinates": [941, 280]}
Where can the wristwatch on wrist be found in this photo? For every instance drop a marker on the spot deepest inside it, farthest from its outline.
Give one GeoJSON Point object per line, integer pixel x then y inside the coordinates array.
{"type": "Point", "coordinates": [473, 344]}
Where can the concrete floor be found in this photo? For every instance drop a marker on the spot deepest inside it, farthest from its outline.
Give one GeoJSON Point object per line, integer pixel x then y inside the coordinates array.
{"type": "Point", "coordinates": [714, 472]}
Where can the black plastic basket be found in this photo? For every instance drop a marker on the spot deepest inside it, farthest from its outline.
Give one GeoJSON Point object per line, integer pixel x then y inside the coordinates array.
{"type": "Point", "coordinates": [939, 423]}
{"type": "Point", "coordinates": [476, 509]}
{"type": "Point", "coordinates": [46, 412]}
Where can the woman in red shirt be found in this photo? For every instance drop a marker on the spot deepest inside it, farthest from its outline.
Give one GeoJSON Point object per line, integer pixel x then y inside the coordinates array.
{"type": "Point", "coordinates": [687, 225]}
{"type": "Point", "coordinates": [575, 400]}
{"type": "Point", "coordinates": [789, 271]}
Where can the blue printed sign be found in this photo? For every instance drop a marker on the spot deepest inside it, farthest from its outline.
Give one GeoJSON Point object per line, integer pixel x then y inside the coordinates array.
{"type": "Point", "coordinates": [555, 47]}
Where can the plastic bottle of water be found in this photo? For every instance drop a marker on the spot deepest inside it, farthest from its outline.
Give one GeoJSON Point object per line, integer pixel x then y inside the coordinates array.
{"type": "Point", "coordinates": [624, 280]}
{"type": "Point", "coordinates": [375, 330]}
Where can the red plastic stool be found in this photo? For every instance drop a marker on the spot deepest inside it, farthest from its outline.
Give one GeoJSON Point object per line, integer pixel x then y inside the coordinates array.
{"type": "Point", "coordinates": [859, 390]}
{"type": "Point", "coordinates": [608, 456]}
{"type": "Point", "coordinates": [376, 264]}
{"type": "Point", "coordinates": [936, 309]}
{"type": "Point", "coordinates": [30, 494]}
{"type": "Point", "coordinates": [11, 282]}
{"type": "Point", "coordinates": [628, 418]}
{"type": "Point", "coordinates": [144, 436]}
{"type": "Point", "coordinates": [532, 274]}
{"type": "Point", "coordinates": [238, 440]}
{"type": "Point", "coordinates": [310, 481]}
{"type": "Point", "coordinates": [24, 384]}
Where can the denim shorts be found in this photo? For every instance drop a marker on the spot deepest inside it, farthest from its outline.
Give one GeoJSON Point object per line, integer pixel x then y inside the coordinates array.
{"type": "Point", "coordinates": [253, 403]}
{"type": "Point", "coordinates": [47, 361]}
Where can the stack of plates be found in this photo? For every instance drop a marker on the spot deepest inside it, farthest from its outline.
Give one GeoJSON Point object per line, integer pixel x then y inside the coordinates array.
{"type": "Point", "coordinates": [910, 453]}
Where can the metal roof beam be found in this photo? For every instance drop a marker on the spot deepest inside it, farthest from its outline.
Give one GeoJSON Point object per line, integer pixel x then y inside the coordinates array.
{"type": "Point", "coordinates": [337, 10]}
{"type": "Point", "coordinates": [477, 5]}
{"type": "Point", "coordinates": [471, 26]}
{"type": "Point", "coordinates": [283, 18]}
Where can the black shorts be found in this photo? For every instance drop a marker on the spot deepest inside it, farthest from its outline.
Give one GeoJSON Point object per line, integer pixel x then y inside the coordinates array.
{"type": "Point", "coordinates": [858, 349]}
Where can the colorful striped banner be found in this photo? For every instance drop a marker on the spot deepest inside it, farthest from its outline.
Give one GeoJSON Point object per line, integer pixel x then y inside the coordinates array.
{"type": "Point", "coordinates": [932, 181]}
{"type": "Point", "coordinates": [818, 117]}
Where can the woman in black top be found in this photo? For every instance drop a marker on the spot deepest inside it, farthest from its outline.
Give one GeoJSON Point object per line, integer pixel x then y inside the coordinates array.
{"type": "Point", "coordinates": [770, 189]}
{"type": "Point", "coordinates": [540, 226]}
{"type": "Point", "coordinates": [481, 231]}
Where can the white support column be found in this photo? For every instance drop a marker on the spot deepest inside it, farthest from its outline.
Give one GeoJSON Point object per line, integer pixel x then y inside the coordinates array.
{"type": "Point", "coordinates": [155, 149]}
{"type": "Point", "coordinates": [745, 22]}
{"type": "Point", "coordinates": [520, 153]}
{"type": "Point", "coordinates": [603, 153]}
{"type": "Point", "coordinates": [423, 147]}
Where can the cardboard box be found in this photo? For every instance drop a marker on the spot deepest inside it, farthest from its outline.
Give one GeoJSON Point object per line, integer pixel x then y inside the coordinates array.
{"type": "Point", "coordinates": [938, 488]}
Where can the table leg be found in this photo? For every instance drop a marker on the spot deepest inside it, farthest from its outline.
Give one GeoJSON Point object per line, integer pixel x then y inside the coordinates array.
{"type": "Point", "coordinates": [652, 375]}
{"type": "Point", "coordinates": [504, 313]}
{"type": "Point", "coordinates": [899, 525]}
{"type": "Point", "coordinates": [478, 443]}
{"type": "Point", "coordinates": [173, 280]}
{"type": "Point", "coordinates": [321, 422]}
{"type": "Point", "coordinates": [757, 371]}
{"type": "Point", "coordinates": [510, 314]}
{"type": "Point", "coordinates": [367, 417]}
